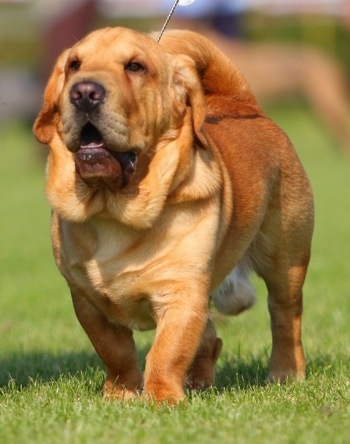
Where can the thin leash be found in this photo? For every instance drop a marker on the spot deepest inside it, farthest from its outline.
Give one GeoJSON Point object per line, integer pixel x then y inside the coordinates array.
{"type": "Point", "coordinates": [176, 2]}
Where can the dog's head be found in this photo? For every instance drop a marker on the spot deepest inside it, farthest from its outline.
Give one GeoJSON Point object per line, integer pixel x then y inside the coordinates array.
{"type": "Point", "coordinates": [111, 100]}
{"type": "Point", "coordinates": [124, 118]}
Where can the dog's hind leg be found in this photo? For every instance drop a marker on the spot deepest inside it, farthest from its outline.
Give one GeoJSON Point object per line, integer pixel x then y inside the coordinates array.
{"type": "Point", "coordinates": [202, 371]}
{"type": "Point", "coordinates": [285, 307]}
{"type": "Point", "coordinates": [284, 274]}
{"type": "Point", "coordinates": [280, 254]}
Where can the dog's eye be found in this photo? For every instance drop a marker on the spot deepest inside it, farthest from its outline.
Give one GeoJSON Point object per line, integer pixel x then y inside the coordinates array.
{"type": "Point", "coordinates": [135, 67]}
{"type": "Point", "coordinates": [74, 65]}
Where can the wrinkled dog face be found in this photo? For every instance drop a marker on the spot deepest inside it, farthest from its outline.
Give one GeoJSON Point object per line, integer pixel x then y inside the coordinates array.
{"type": "Point", "coordinates": [118, 94]}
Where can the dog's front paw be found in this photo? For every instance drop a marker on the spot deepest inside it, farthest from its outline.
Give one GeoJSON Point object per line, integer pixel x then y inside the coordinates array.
{"type": "Point", "coordinates": [116, 389]}
{"type": "Point", "coordinates": [163, 393]}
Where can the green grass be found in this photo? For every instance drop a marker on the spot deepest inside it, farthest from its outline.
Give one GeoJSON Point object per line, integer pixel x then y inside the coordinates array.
{"type": "Point", "coordinates": [50, 378]}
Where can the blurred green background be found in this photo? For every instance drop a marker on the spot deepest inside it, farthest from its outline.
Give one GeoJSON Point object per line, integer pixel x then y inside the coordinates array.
{"type": "Point", "coordinates": [307, 36]}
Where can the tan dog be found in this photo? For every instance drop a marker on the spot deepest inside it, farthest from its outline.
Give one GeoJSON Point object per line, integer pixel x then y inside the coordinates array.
{"type": "Point", "coordinates": [168, 184]}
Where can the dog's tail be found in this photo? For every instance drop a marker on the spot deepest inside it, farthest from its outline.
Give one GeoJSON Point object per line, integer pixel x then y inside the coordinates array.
{"type": "Point", "coordinates": [236, 293]}
{"type": "Point", "coordinates": [218, 74]}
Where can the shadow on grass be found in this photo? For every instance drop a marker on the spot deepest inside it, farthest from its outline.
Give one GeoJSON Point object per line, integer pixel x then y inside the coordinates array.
{"type": "Point", "coordinates": [242, 373]}
{"type": "Point", "coordinates": [21, 369]}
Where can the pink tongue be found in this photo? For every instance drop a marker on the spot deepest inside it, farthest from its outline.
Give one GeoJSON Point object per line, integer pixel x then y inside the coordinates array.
{"type": "Point", "coordinates": [91, 138]}
{"type": "Point", "coordinates": [92, 145]}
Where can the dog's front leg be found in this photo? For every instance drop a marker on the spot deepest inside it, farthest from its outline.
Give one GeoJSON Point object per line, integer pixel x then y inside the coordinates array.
{"type": "Point", "coordinates": [116, 348]}
{"type": "Point", "coordinates": [180, 323]}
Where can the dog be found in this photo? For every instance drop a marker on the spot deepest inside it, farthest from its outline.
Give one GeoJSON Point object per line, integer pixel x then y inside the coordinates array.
{"type": "Point", "coordinates": [168, 187]}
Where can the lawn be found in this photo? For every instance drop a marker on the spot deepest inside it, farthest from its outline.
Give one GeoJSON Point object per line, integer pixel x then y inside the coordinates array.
{"type": "Point", "coordinates": [50, 378]}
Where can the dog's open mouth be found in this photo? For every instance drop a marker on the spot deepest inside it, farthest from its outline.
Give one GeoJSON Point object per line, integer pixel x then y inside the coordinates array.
{"type": "Point", "coordinates": [97, 165]}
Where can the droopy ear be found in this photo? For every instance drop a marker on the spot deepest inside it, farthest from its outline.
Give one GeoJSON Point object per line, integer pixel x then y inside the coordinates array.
{"type": "Point", "coordinates": [44, 123]}
{"type": "Point", "coordinates": [187, 84]}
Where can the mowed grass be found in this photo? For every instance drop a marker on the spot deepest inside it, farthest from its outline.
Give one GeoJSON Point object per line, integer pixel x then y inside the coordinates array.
{"type": "Point", "coordinates": [50, 377]}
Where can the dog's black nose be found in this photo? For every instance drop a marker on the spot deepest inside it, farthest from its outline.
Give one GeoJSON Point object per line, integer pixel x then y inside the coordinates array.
{"type": "Point", "coordinates": [87, 95]}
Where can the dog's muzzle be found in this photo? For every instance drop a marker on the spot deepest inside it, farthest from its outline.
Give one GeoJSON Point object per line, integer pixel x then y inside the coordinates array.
{"type": "Point", "coordinates": [95, 163]}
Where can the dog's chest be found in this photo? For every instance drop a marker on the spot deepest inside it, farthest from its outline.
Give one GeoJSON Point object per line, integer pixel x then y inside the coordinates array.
{"type": "Point", "coordinates": [129, 274]}
{"type": "Point", "coordinates": [107, 266]}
